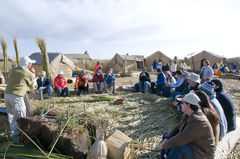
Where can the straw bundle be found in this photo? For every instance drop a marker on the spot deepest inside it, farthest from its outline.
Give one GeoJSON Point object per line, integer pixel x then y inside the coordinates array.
{"type": "Point", "coordinates": [4, 48]}
{"type": "Point", "coordinates": [16, 50]}
{"type": "Point", "coordinates": [45, 60]}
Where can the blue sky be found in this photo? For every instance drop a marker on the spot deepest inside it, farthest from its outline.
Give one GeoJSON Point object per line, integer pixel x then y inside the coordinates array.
{"type": "Point", "coordinates": [106, 27]}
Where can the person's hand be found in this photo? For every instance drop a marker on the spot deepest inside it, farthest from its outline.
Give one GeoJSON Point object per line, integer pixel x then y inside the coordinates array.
{"type": "Point", "coordinates": [159, 147]}
{"type": "Point", "coordinates": [97, 82]}
{"type": "Point", "coordinates": [41, 87]}
{"type": "Point", "coordinates": [85, 85]}
{"type": "Point", "coordinates": [143, 74]}
{"type": "Point", "coordinates": [168, 85]}
{"type": "Point", "coordinates": [172, 90]}
{"type": "Point", "coordinates": [156, 84]}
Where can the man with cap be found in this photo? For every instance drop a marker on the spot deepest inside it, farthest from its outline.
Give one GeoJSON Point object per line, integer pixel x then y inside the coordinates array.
{"type": "Point", "coordinates": [81, 83]}
{"type": "Point", "coordinates": [44, 85]}
{"type": "Point", "coordinates": [227, 104]}
{"type": "Point", "coordinates": [60, 85]}
{"type": "Point", "coordinates": [98, 81]}
{"type": "Point", "coordinates": [109, 80]}
{"type": "Point", "coordinates": [20, 80]}
{"type": "Point", "coordinates": [194, 83]}
{"type": "Point", "coordinates": [208, 88]}
{"type": "Point", "coordinates": [193, 137]}
{"type": "Point", "coordinates": [144, 80]}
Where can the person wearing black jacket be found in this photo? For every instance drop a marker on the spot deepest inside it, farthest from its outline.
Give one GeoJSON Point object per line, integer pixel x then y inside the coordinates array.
{"type": "Point", "coordinates": [44, 85]}
{"type": "Point", "coordinates": [144, 81]}
{"type": "Point", "coordinates": [227, 104]}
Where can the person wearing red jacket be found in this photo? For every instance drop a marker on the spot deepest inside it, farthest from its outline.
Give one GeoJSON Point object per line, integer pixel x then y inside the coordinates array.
{"type": "Point", "coordinates": [98, 82]}
{"type": "Point", "coordinates": [60, 85]}
{"type": "Point", "coordinates": [98, 66]}
{"type": "Point", "coordinates": [81, 83]}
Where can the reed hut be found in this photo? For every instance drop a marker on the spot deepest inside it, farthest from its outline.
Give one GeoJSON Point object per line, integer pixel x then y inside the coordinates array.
{"type": "Point", "coordinates": [155, 56]}
{"type": "Point", "coordinates": [126, 63]}
{"type": "Point", "coordinates": [194, 61]}
{"type": "Point", "coordinates": [10, 62]}
{"type": "Point", "coordinates": [57, 62]}
{"type": "Point", "coordinates": [79, 57]}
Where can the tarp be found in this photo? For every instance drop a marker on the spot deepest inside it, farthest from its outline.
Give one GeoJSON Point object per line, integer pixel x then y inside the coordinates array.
{"type": "Point", "coordinates": [3, 110]}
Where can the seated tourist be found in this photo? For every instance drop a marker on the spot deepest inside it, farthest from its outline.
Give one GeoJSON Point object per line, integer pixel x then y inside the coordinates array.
{"type": "Point", "coordinates": [144, 81]}
{"type": "Point", "coordinates": [81, 83]}
{"type": "Point", "coordinates": [210, 112]}
{"type": "Point", "coordinates": [98, 81]}
{"type": "Point", "coordinates": [208, 88]}
{"type": "Point", "coordinates": [60, 85]}
{"type": "Point", "coordinates": [156, 87]}
{"type": "Point", "coordinates": [227, 104]}
{"type": "Point", "coordinates": [193, 137]}
{"type": "Point", "coordinates": [44, 85]}
{"type": "Point", "coordinates": [109, 81]}
{"type": "Point", "coordinates": [194, 83]}
{"type": "Point", "coordinates": [170, 80]}
{"type": "Point", "coordinates": [180, 85]}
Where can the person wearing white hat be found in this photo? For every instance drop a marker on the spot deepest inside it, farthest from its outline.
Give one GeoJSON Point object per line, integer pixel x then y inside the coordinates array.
{"type": "Point", "coordinates": [21, 79]}
{"type": "Point", "coordinates": [194, 83]}
{"type": "Point", "coordinates": [193, 137]}
{"type": "Point", "coordinates": [44, 85]}
{"type": "Point", "coordinates": [60, 85]}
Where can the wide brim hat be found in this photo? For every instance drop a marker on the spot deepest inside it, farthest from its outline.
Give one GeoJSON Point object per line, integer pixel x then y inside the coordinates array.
{"type": "Point", "coordinates": [190, 98]}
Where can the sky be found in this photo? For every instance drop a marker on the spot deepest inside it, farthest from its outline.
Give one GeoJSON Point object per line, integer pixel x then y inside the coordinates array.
{"type": "Point", "coordinates": [137, 27]}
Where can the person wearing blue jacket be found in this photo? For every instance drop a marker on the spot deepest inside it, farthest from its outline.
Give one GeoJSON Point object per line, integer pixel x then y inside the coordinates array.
{"type": "Point", "coordinates": [109, 80]}
{"type": "Point", "coordinates": [208, 88]}
{"type": "Point", "coordinates": [44, 85]}
{"type": "Point", "coordinates": [156, 87]}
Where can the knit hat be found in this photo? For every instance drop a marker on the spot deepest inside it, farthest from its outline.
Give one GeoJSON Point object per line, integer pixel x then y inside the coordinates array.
{"type": "Point", "coordinates": [190, 98]}
{"type": "Point", "coordinates": [208, 88]}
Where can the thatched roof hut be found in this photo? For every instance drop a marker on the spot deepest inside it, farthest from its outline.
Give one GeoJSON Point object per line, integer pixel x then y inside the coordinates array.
{"type": "Point", "coordinates": [155, 56]}
{"type": "Point", "coordinates": [195, 60]}
{"type": "Point", "coordinates": [79, 59]}
{"type": "Point", "coordinates": [10, 62]}
{"type": "Point", "coordinates": [57, 62]}
{"type": "Point", "coordinates": [129, 62]}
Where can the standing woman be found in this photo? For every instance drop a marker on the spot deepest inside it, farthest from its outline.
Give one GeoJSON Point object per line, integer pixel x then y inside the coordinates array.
{"type": "Point", "coordinates": [206, 72]}
{"type": "Point", "coordinates": [210, 113]}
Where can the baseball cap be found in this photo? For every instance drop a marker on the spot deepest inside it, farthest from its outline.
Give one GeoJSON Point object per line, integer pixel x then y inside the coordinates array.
{"type": "Point", "coordinates": [24, 61]}
{"type": "Point", "coordinates": [60, 72]}
{"type": "Point", "coordinates": [43, 73]}
{"type": "Point", "coordinates": [190, 98]}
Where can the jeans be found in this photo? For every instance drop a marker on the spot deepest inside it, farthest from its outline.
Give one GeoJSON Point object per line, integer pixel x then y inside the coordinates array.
{"type": "Point", "coordinates": [143, 86]}
{"type": "Point", "coordinates": [62, 92]}
{"type": "Point", "coordinates": [98, 87]}
{"type": "Point", "coordinates": [109, 85]}
{"type": "Point", "coordinates": [180, 152]}
{"type": "Point", "coordinates": [43, 91]}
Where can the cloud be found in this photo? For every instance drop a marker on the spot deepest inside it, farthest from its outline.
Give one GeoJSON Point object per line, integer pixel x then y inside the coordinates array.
{"type": "Point", "coordinates": [111, 26]}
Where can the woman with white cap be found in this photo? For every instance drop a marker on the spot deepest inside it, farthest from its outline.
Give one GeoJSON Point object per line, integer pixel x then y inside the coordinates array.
{"type": "Point", "coordinates": [20, 80]}
{"type": "Point", "coordinates": [60, 85]}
